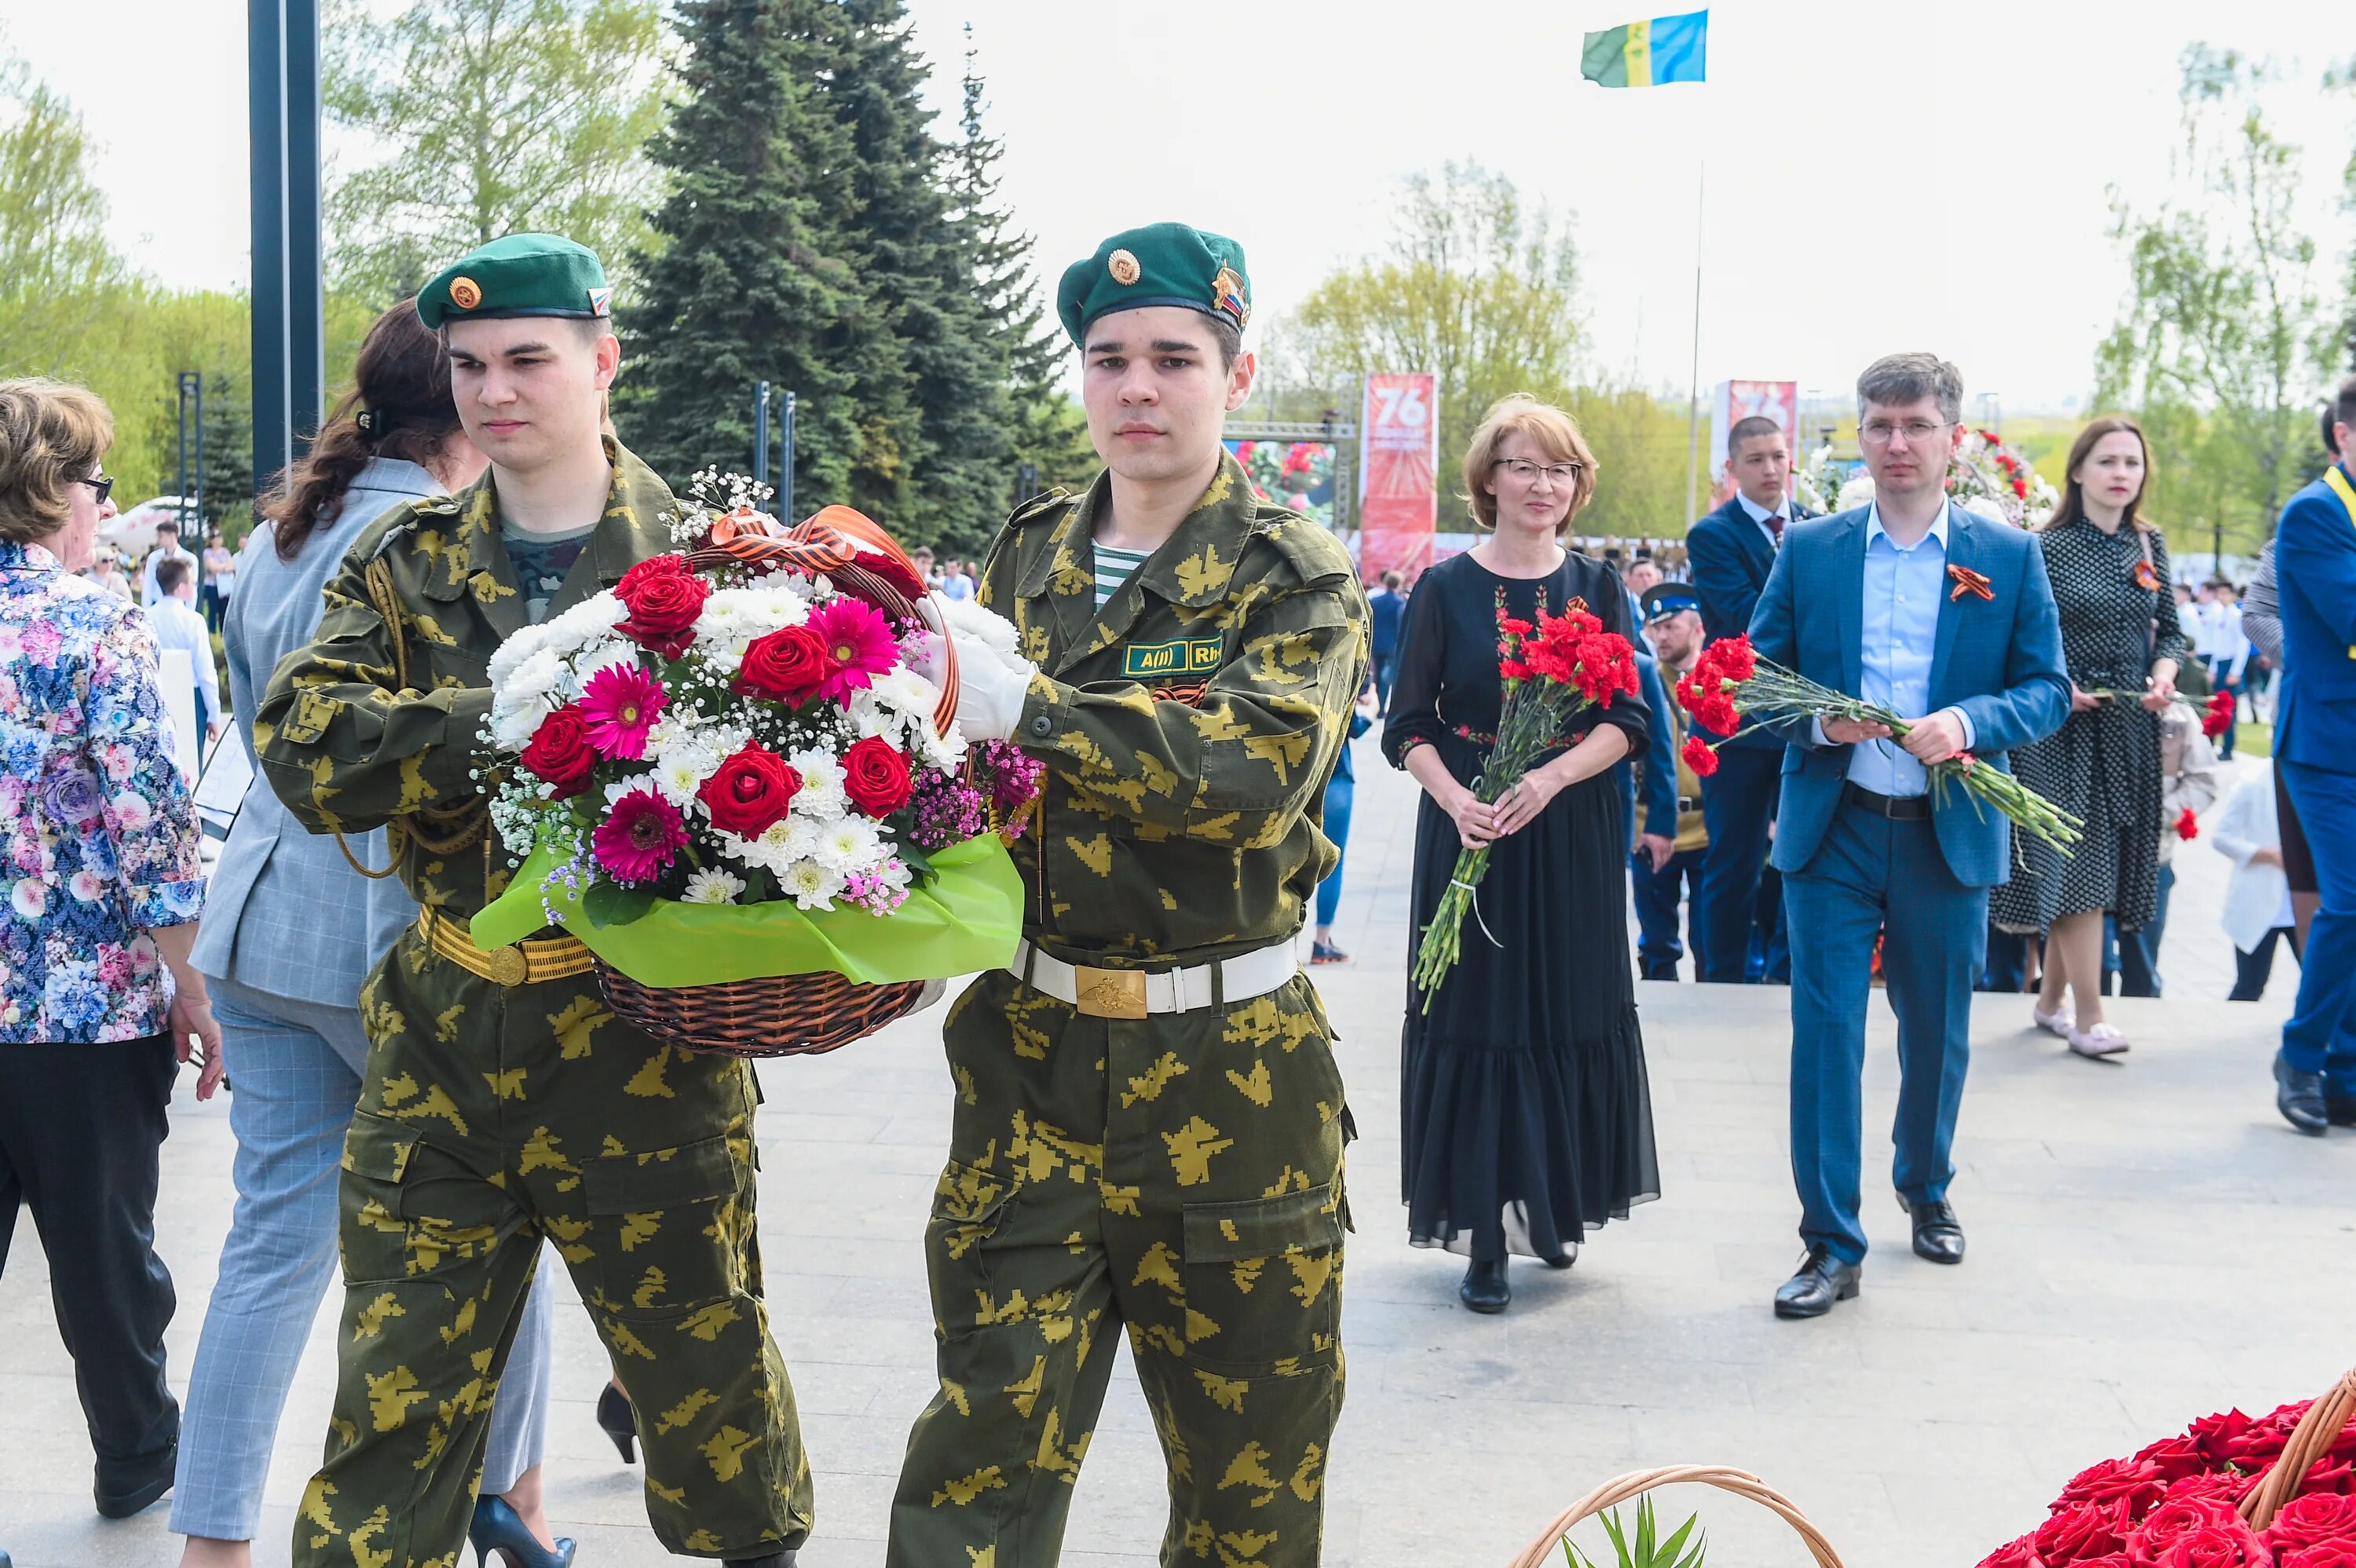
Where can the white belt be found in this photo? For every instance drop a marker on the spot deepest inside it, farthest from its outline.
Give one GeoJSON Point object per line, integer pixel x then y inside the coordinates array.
{"type": "Point", "coordinates": [1134, 994]}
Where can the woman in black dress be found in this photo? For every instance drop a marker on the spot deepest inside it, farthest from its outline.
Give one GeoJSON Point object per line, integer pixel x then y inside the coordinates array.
{"type": "Point", "coordinates": [1525, 1114]}
{"type": "Point", "coordinates": [2119, 632]}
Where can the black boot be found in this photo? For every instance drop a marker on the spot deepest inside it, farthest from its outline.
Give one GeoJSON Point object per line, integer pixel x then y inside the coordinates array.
{"type": "Point", "coordinates": [1484, 1288]}
{"type": "Point", "coordinates": [2300, 1097]}
{"type": "Point", "coordinates": [619, 1421]}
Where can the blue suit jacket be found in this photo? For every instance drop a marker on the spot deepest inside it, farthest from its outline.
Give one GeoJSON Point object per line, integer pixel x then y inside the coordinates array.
{"type": "Point", "coordinates": [1997, 659]}
{"type": "Point", "coordinates": [2315, 576]}
{"type": "Point", "coordinates": [1730, 559]}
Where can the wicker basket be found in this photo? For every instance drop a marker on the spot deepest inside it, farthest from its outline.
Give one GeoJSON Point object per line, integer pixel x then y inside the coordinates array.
{"type": "Point", "coordinates": [2316, 1431]}
{"type": "Point", "coordinates": [1548, 1544]}
{"type": "Point", "coordinates": [782, 1014]}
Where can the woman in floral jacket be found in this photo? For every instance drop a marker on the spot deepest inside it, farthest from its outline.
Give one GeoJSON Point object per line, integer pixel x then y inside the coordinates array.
{"type": "Point", "coordinates": [98, 851]}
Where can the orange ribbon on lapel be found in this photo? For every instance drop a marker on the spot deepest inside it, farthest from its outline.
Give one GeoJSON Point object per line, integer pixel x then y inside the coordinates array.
{"type": "Point", "coordinates": [1969, 581]}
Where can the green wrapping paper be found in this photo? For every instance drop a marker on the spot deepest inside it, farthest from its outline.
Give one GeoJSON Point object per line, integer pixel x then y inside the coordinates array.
{"type": "Point", "coordinates": [968, 918]}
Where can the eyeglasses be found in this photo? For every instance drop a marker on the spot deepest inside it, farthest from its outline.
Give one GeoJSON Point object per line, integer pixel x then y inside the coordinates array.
{"type": "Point", "coordinates": [1877, 433]}
{"type": "Point", "coordinates": [103, 483]}
{"type": "Point", "coordinates": [1525, 472]}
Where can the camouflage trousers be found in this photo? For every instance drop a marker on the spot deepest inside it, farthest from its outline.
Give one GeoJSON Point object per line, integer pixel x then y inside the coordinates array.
{"type": "Point", "coordinates": [1179, 1177]}
{"type": "Point", "coordinates": [489, 1118]}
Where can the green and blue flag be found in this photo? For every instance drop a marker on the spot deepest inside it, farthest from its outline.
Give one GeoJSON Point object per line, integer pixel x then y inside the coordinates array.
{"type": "Point", "coordinates": [1649, 54]}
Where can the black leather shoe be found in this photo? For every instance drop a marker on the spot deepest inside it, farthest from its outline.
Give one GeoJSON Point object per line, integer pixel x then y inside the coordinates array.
{"type": "Point", "coordinates": [126, 1493]}
{"type": "Point", "coordinates": [1937, 1237]}
{"type": "Point", "coordinates": [1823, 1279]}
{"type": "Point", "coordinates": [2300, 1097]}
{"type": "Point", "coordinates": [2341, 1108]}
{"type": "Point", "coordinates": [619, 1422]}
{"type": "Point", "coordinates": [774, 1560]}
{"type": "Point", "coordinates": [1484, 1288]}
{"type": "Point", "coordinates": [1560, 1260]}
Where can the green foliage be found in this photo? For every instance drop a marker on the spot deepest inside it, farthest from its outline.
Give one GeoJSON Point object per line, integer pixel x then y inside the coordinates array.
{"type": "Point", "coordinates": [816, 237]}
{"type": "Point", "coordinates": [500, 116]}
{"type": "Point", "coordinates": [1640, 1547]}
{"type": "Point", "coordinates": [2225, 340]}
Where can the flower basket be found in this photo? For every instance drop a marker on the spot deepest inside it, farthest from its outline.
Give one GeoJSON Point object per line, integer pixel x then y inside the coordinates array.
{"type": "Point", "coordinates": [778, 1015]}
{"type": "Point", "coordinates": [1543, 1547]}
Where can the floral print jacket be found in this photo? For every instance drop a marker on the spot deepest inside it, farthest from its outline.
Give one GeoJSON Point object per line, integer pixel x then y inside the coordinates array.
{"type": "Point", "coordinates": [100, 834]}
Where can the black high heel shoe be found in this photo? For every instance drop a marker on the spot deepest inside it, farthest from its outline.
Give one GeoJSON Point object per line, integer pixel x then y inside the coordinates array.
{"type": "Point", "coordinates": [496, 1527]}
{"type": "Point", "coordinates": [620, 1421]}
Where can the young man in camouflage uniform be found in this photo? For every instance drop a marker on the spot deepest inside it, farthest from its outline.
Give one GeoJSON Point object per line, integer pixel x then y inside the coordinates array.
{"type": "Point", "coordinates": [1149, 1118]}
{"type": "Point", "coordinates": [502, 1101]}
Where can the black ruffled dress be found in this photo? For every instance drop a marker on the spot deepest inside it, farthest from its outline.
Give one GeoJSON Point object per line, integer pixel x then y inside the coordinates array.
{"type": "Point", "coordinates": [1525, 1114]}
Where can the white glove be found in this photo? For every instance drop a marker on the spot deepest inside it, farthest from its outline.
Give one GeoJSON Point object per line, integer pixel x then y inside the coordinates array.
{"type": "Point", "coordinates": [992, 688]}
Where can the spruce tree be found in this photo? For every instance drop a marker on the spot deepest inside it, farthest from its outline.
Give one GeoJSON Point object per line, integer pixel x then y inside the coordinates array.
{"type": "Point", "coordinates": [750, 279]}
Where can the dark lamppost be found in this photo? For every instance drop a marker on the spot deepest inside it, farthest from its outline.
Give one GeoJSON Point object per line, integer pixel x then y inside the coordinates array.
{"type": "Point", "coordinates": [289, 300]}
{"type": "Point", "coordinates": [192, 422]}
{"type": "Point", "coordinates": [760, 433]}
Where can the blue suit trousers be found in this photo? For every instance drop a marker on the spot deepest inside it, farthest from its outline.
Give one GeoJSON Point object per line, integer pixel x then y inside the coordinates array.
{"type": "Point", "coordinates": [2321, 1034]}
{"type": "Point", "coordinates": [1738, 802]}
{"type": "Point", "coordinates": [1657, 896]}
{"type": "Point", "coordinates": [1871, 875]}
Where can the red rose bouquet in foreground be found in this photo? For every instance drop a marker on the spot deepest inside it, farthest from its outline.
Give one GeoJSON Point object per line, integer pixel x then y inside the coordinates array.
{"type": "Point", "coordinates": [1553, 671]}
{"type": "Point", "coordinates": [2178, 1504]}
{"type": "Point", "coordinates": [1731, 684]}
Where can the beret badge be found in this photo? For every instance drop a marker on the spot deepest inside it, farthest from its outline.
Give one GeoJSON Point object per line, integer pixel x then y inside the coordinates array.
{"type": "Point", "coordinates": [1228, 294]}
{"type": "Point", "coordinates": [465, 293]}
{"type": "Point", "coordinates": [1124, 268]}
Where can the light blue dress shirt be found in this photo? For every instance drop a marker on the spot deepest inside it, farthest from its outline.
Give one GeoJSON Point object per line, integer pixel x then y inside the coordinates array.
{"type": "Point", "coordinates": [1897, 638]}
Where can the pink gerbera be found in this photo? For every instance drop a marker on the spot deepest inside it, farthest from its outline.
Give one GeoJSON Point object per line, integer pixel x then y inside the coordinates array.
{"type": "Point", "coordinates": [859, 645]}
{"type": "Point", "coordinates": [621, 703]}
{"type": "Point", "coordinates": [639, 837]}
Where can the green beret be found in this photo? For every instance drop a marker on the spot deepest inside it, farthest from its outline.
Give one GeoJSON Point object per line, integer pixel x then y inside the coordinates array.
{"type": "Point", "coordinates": [523, 275]}
{"type": "Point", "coordinates": [1162, 263]}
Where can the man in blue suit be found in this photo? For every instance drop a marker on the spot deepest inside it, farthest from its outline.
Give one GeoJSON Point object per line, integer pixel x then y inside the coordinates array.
{"type": "Point", "coordinates": [2315, 752]}
{"type": "Point", "coordinates": [1731, 551]}
{"type": "Point", "coordinates": [1947, 619]}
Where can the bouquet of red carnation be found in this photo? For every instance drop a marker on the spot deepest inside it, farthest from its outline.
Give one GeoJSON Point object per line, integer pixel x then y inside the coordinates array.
{"type": "Point", "coordinates": [2187, 826]}
{"type": "Point", "coordinates": [1731, 683]}
{"type": "Point", "coordinates": [2205, 1499]}
{"type": "Point", "coordinates": [2219, 715]}
{"type": "Point", "coordinates": [1553, 671]}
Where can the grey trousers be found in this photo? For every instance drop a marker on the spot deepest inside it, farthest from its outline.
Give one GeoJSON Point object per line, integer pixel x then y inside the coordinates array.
{"type": "Point", "coordinates": [294, 1075]}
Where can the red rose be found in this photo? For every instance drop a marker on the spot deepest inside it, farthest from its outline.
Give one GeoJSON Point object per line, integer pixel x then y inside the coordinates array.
{"type": "Point", "coordinates": [750, 792]}
{"type": "Point", "coordinates": [784, 665]}
{"type": "Point", "coordinates": [2136, 1483]}
{"type": "Point", "coordinates": [1700, 756]}
{"type": "Point", "coordinates": [2312, 1519]}
{"type": "Point", "coordinates": [875, 776]}
{"type": "Point", "coordinates": [2330, 1555]}
{"type": "Point", "coordinates": [664, 599]}
{"type": "Point", "coordinates": [2178, 1517]}
{"type": "Point", "coordinates": [560, 752]}
{"type": "Point", "coordinates": [2080, 1530]}
{"type": "Point", "coordinates": [2015, 1554]}
{"type": "Point", "coordinates": [2229, 1545]}
{"type": "Point", "coordinates": [2175, 1457]}
{"type": "Point", "coordinates": [2224, 1486]}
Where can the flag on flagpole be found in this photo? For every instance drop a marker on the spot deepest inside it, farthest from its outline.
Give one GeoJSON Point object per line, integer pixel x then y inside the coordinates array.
{"type": "Point", "coordinates": [1649, 54]}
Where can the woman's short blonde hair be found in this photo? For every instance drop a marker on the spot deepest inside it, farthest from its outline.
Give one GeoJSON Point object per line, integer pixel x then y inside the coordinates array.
{"type": "Point", "coordinates": [52, 433]}
{"type": "Point", "coordinates": [1546, 427]}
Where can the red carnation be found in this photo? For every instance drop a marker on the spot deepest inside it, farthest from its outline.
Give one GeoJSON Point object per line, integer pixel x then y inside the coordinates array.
{"type": "Point", "coordinates": [750, 792]}
{"type": "Point", "coordinates": [1732, 658]}
{"type": "Point", "coordinates": [1700, 756]}
{"type": "Point", "coordinates": [1514, 669]}
{"type": "Point", "coordinates": [2188, 826]}
{"type": "Point", "coordinates": [875, 776]}
{"type": "Point", "coordinates": [2020, 488]}
{"type": "Point", "coordinates": [664, 599]}
{"type": "Point", "coordinates": [560, 752]}
{"type": "Point", "coordinates": [787, 666]}
{"type": "Point", "coordinates": [1514, 626]}
{"type": "Point", "coordinates": [2215, 719]}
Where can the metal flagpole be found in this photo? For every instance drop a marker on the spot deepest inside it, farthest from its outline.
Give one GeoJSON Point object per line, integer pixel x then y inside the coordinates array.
{"type": "Point", "coordinates": [1693, 394]}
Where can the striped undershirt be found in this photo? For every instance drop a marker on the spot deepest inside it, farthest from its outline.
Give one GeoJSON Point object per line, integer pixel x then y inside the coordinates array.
{"type": "Point", "coordinates": [1113, 569]}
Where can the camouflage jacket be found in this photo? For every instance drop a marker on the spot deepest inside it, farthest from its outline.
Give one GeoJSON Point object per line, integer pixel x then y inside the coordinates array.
{"type": "Point", "coordinates": [1188, 729]}
{"type": "Point", "coordinates": [349, 744]}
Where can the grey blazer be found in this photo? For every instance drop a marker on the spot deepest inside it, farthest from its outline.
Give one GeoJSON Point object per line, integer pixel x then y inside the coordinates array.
{"type": "Point", "coordinates": [284, 913]}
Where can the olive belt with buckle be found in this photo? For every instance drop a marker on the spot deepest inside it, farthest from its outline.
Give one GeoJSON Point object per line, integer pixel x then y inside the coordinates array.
{"type": "Point", "coordinates": [526, 962]}
{"type": "Point", "coordinates": [1136, 993]}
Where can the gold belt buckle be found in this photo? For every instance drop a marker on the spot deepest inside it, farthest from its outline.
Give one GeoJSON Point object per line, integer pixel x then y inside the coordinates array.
{"type": "Point", "coordinates": [1108, 993]}
{"type": "Point", "coordinates": [505, 965]}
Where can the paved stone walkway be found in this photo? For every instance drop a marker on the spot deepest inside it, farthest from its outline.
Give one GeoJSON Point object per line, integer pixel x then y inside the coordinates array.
{"type": "Point", "coordinates": [2149, 1242]}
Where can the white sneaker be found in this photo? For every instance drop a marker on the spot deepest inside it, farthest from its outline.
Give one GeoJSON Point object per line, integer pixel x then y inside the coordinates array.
{"type": "Point", "coordinates": [2102, 1040]}
{"type": "Point", "coordinates": [2058, 1021]}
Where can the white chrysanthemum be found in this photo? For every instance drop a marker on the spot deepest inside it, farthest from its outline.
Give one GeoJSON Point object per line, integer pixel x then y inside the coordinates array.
{"type": "Point", "coordinates": [682, 762]}
{"type": "Point", "coordinates": [946, 752]}
{"type": "Point", "coordinates": [512, 727]}
{"type": "Point", "coordinates": [537, 676]}
{"type": "Point", "coordinates": [588, 621]}
{"type": "Point", "coordinates": [821, 797]}
{"type": "Point", "coordinates": [849, 844]}
{"type": "Point", "coordinates": [905, 691]}
{"type": "Point", "coordinates": [712, 886]}
{"type": "Point", "coordinates": [774, 606]}
{"type": "Point", "coordinates": [966, 616]}
{"type": "Point", "coordinates": [513, 652]}
{"type": "Point", "coordinates": [602, 654]}
{"type": "Point", "coordinates": [810, 885]}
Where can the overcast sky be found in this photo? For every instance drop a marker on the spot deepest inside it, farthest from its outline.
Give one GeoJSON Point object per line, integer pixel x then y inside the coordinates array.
{"type": "Point", "coordinates": [1879, 175]}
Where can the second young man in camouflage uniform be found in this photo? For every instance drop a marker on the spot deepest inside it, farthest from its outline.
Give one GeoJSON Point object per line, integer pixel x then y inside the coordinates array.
{"type": "Point", "coordinates": [1149, 1121]}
